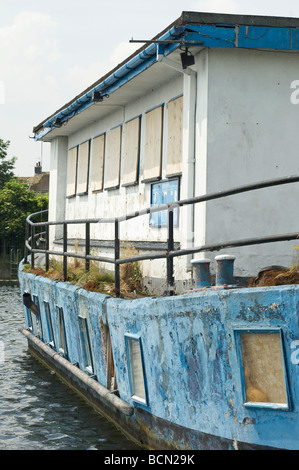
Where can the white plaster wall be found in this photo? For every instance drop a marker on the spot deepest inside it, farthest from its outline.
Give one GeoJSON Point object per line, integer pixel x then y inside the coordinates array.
{"type": "Point", "coordinates": [57, 187]}
{"type": "Point", "coordinates": [252, 136]}
{"type": "Point", "coordinates": [124, 200]}
{"type": "Point", "coordinates": [113, 203]}
{"type": "Point", "coordinates": [201, 136]}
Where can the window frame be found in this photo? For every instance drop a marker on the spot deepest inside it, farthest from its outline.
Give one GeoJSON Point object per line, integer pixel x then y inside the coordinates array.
{"type": "Point", "coordinates": [36, 321]}
{"type": "Point", "coordinates": [86, 344]}
{"type": "Point", "coordinates": [62, 348]}
{"type": "Point", "coordinates": [131, 151]}
{"type": "Point", "coordinates": [153, 145]}
{"type": "Point", "coordinates": [113, 153]}
{"type": "Point", "coordinates": [139, 400]}
{"type": "Point", "coordinates": [153, 216]}
{"type": "Point", "coordinates": [175, 127]}
{"type": "Point", "coordinates": [97, 163]}
{"type": "Point", "coordinates": [83, 168]}
{"type": "Point", "coordinates": [71, 180]}
{"type": "Point", "coordinates": [264, 405]}
{"type": "Point", "coordinates": [49, 324]}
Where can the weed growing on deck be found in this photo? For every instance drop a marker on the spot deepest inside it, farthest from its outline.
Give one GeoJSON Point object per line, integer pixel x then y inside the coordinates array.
{"type": "Point", "coordinates": [96, 279]}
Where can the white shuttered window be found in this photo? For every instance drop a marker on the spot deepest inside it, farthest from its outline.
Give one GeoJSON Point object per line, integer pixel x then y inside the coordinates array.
{"type": "Point", "coordinates": [175, 136]}
{"type": "Point", "coordinates": [131, 153]}
{"type": "Point", "coordinates": [97, 163]}
{"type": "Point", "coordinates": [153, 144]}
{"type": "Point", "coordinates": [112, 162]}
{"type": "Point", "coordinates": [83, 167]}
{"type": "Point", "coordinates": [72, 171]}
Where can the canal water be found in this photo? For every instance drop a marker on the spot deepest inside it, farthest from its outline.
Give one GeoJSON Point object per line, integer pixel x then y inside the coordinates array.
{"type": "Point", "coordinates": [38, 411]}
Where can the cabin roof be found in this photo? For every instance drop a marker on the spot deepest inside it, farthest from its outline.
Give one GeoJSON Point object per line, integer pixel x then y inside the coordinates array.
{"type": "Point", "coordinates": [182, 29]}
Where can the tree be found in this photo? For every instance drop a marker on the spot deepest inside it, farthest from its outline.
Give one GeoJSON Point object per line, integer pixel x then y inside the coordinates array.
{"type": "Point", "coordinates": [16, 203]}
{"type": "Point", "coordinates": [6, 166]}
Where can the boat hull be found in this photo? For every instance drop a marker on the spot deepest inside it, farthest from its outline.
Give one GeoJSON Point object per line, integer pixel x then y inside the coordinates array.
{"type": "Point", "coordinates": [148, 431]}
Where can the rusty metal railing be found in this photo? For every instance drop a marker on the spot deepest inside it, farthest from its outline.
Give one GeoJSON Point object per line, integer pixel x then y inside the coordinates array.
{"type": "Point", "coordinates": [169, 254]}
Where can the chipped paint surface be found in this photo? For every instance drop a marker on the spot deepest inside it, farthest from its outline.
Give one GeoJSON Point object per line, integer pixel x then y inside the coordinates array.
{"type": "Point", "coordinates": [192, 369]}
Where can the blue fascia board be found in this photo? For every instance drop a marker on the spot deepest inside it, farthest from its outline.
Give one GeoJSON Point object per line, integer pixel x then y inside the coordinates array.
{"type": "Point", "coordinates": [251, 37]}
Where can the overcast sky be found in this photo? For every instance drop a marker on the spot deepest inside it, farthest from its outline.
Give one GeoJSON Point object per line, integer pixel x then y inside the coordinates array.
{"type": "Point", "coordinates": [51, 51]}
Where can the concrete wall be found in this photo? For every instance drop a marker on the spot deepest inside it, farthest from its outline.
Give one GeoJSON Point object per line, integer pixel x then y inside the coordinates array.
{"type": "Point", "coordinates": [251, 136]}
{"type": "Point", "coordinates": [191, 359]}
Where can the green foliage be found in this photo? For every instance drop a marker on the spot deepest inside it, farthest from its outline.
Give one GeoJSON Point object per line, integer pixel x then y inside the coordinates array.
{"type": "Point", "coordinates": [16, 203]}
{"type": "Point", "coordinates": [6, 166]}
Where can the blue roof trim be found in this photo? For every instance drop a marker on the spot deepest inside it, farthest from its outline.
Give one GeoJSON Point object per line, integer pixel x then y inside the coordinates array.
{"type": "Point", "coordinates": [252, 37]}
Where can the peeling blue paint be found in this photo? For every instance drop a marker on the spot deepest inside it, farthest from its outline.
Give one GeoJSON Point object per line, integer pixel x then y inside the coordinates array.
{"type": "Point", "coordinates": [193, 372]}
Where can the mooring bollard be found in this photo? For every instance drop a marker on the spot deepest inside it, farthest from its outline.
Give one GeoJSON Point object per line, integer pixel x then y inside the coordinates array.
{"type": "Point", "coordinates": [224, 269]}
{"type": "Point", "coordinates": [202, 274]}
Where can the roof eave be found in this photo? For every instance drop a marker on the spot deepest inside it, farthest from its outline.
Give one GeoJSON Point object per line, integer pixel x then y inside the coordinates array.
{"type": "Point", "coordinates": [186, 18]}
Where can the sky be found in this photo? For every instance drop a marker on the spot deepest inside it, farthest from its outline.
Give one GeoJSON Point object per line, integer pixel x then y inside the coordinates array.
{"type": "Point", "coordinates": [51, 51]}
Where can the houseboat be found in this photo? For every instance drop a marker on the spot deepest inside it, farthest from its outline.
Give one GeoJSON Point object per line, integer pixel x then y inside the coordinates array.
{"type": "Point", "coordinates": [181, 163]}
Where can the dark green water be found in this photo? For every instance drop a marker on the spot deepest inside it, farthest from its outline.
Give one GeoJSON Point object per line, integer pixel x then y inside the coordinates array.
{"type": "Point", "coordinates": [37, 411]}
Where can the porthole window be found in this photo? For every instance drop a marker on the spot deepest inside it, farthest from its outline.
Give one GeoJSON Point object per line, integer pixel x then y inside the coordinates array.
{"type": "Point", "coordinates": [86, 344]}
{"type": "Point", "coordinates": [36, 322]}
{"type": "Point", "coordinates": [136, 369]}
{"type": "Point", "coordinates": [62, 335]}
{"type": "Point", "coordinates": [263, 369]}
{"type": "Point", "coordinates": [50, 333]}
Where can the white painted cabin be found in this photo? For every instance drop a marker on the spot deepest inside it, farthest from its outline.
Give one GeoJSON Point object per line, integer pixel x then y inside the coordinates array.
{"type": "Point", "coordinates": [163, 132]}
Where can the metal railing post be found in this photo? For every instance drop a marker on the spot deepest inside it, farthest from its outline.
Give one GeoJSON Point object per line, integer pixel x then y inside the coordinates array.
{"type": "Point", "coordinates": [26, 238]}
{"type": "Point", "coordinates": [64, 251]}
{"type": "Point", "coordinates": [47, 247]}
{"type": "Point", "coordinates": [87, 245]}
{"type": "Point", "coordinates": [116, 258]}
{"type": "Point", "coordinates": [32, 244]}
{"type": "Point", "coordinates": [169, 259]}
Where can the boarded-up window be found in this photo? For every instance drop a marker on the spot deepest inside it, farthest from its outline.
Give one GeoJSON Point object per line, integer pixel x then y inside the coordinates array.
{"type": "Point", "coordinates": [263, 368]}
{"type": "Point", "coordinates": [72, 171]}
{"type": "Point", "coordinates": [136, 369]}
{"type": "Point", "coordinates": [175, 136]}
{"type": "Point", "coordinates": [112, 163]}
{"type": "Point", "coordinates": [153, 144]}
{"type": "Point", "coordinates": [83, 167]}
{"type": "Point", "coordinates": [97, 163]}
{"type": "Point", "coordinates": [131, 153]}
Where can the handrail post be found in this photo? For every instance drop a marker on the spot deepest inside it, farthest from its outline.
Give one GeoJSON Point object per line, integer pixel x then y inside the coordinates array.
{"type": "Point", "coordinates": [32, 245]}
{"type": "Point", "coordinates": [64, 251]}
{"type": "Point", "coordinates": [47, 247]}
{"type": "Point", "coordinates": [169, 259]}
{"type": "Point", "coordinates": [26, 238]}
{"type": "Point", "coordinates": [116, 258]}
{"type": "Point", "coordinates": [87, 245]}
